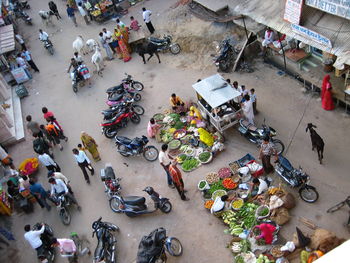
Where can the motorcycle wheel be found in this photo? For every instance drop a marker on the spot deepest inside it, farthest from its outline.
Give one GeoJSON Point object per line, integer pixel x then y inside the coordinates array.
{"type": "Point", "coordinates": [137, 97]}
{"type": "Point", "coordinates": [114, 204]}
{"type": "Point", "coordinates": [50, 49]}
{"type": "Point", "coordinates": [65, 217]}
{"type": "Point", "coordinates": [110, 132]}
{"type": "Point", "coordinates": [150, 153]}
{"type": "Point", "coordinates": [166, 207]}
{"type": "Point", "coordinates": [135, 118]}
{"type": "Point", "coordinates": [224, 65]}
{"type": "Point", "coordinates": [137, 85]}
{"type": "Point", "coordinates": [175, 49]}
{"type": "Point", "coordinates": [75, 87]}
{"type": "Point", "coordinates": [123, 148]}
{"type": "Point", "coordinates": [138, 109]}
{"type": "Point", "coordinates": [175, 247]}
{"type": "Point", "coordinates": [279, 146]}
{"type": "Point", "coordinates": [308, 193]}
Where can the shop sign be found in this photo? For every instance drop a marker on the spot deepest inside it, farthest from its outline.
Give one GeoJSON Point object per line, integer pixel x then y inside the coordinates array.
{"type": "Point", "coordinates": [19, 75]}
{"type": "Point", "coordinates": [308, 33]}
{"type": "Point", "coordinates": [292, 11]}
{"type": "Point", "coordinates": [334, 7]}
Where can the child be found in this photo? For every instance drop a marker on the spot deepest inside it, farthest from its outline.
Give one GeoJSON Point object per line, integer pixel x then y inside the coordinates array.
{"type": "Point", "coordinates": [253, 98]}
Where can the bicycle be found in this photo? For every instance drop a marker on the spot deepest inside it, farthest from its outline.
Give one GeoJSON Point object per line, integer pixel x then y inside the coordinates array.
{"type": "Point", "coordinates": [340, 205]}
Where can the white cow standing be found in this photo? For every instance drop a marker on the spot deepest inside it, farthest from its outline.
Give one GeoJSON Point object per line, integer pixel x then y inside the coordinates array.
{"type": "Point", "coordinates": [97, 60]}
{"type": "Point", "coordinates": [79, 45]}
{"type": "Point", "coordinates": [91, 44]}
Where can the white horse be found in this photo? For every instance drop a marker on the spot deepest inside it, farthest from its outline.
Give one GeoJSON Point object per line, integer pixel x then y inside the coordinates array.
{"type": "Point", "coordinates": [97, 60]}
{"type": "Point", "coordinates": [91, 44]}
{"type": "Point", "coordinates": [79, 46]}
{"type": "Point", "coordinates": [46, 17]}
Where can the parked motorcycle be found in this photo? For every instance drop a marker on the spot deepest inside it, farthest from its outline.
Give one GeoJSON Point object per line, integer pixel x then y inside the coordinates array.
{"type": "Point", "coordinates": [20, 13]}
{"type": "Point", "coordinates": [152, 247]}
{"type": "Point", "coordinates": [105, 249]}
{"type": "Point", "coordinates": [62, 203]}
{"type": "Point", "coordinates": [45, 253]}
{"type": "Point", "coordinates": [136, 146]}
{"type": "Point", "coordinates": [21, 4]}
{"type": "Point", "coordinates": [226, 57]}
{"type": "Point", "coordinates": [116, 99]}
{"type": "Point", "coordinates": [128, 84]}
{"type": "Point", "coordinates": [120, 89]}
{"type": "Point", "coordinates": [49, 46]}
{"type": "Point", "coordinates": [256, 135]}
{"type": "Point", "coordinates": [111, 112]}
{"type": "Point", "coordinates": [111, 184]}
{"type": "Point", "coordinates": [296, 178]}
{"type": "Point", "coordinates": [165, 44]}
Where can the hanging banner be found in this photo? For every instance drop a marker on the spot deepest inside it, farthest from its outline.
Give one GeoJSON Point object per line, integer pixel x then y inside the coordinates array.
{"type": "Point", "coordinates": [292, 11]}
{"type": "Point", "coordinates": [311, 35]}
{"type": "Point", "coordinates": [335, 7]}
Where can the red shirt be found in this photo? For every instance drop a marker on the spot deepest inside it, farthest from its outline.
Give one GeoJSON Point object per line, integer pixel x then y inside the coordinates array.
{"type": "Point", "coordinates": [48, 115]}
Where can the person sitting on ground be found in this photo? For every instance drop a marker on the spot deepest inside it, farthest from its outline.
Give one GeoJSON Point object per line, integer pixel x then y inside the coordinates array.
{"type": "Point", "coordinates": [258, 186]}
{"type": "Point", "coordinates": [134, 25]}
{"type": "Point", "coordinates": [219, 204]}
{"type": "Point", "coordinates": [268, 38]}
{"type": "Point", "coordinates": [176, 103]}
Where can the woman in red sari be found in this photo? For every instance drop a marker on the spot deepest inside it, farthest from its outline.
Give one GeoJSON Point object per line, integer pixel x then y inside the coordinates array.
{"type": "Point", "coordinates": [327, 100]}
{"type": "Point", "coordinates": [324, 84]}
{"type": "Point", "coordinates": [123, 47]}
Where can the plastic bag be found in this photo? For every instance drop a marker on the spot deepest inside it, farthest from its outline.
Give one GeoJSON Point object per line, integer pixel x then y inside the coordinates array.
{"type": "Point", "coordinates": [289, 246]}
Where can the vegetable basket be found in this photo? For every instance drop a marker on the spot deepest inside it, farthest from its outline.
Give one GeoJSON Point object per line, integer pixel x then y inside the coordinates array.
{"type": "Point", "coordinates": [203, 185]}
{"type": "Point", "coordinates": [260, 209]}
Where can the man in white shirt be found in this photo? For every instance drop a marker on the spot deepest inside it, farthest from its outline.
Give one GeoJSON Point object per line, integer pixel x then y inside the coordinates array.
{"type": "Point", "coordinates": [33, 236]}
{"type": "Point", "coordinates": [83, 162]}
{"type": "Point", "coordinates": [23, 64]}
{"type": "Point", "coordinates": [107, 36]}
{"type": "Point", "coordinates": [83, 13]}
{"type": "Point", "coordinates": [20, 40]}
{"type": "Point", "coordinates": [260, 184]}
{"type": "Point", "coordinates": [47, 161]}
{"type": "Point", "coordinates": [28, 57]}
{"type": "Point", "coordinates": [58, 187]}
{"type": "Point", "coordinates": [43, 36]}
{"type": "Point", "coordinates": [164, 160]}
{"type": "Point", "coordinates": [146, 14]}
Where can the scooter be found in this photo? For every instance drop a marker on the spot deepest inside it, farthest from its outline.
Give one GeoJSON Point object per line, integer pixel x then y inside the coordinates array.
{"type": "Point", "coordinates": [46, 253]}
{"type": "Point", "coordinates": [105, 249]}
{"type": "Point", "coordinates": [136, 146]}
{"type": "Point", "coordinates": [165, 44]}
{"type": "Point", "coordinates": [296, 178]}
{"type": "Point", "coordinates": [256, 135]}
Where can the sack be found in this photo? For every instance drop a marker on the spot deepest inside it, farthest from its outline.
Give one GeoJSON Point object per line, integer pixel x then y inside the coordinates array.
{"type": "Point", "coordinates": [39, 146]}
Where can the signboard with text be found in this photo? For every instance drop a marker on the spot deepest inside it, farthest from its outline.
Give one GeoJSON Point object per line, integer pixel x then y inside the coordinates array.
{"type": "Point", "coordinates": [292, 11]}
{"type": "Point", "coordinates": [334, 7]}
{"type": "Point", "coordinates": [19, 75]}
{"type": "Point", "coordinates": [308, 33]}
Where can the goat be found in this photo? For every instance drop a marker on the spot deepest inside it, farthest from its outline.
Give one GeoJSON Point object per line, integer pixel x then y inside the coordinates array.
{"type": "Point", "coordinates": [91, 44]}
{"type": "Point", "coordinates": [79, 46]}
{"type": "Point", "coordinates": [97, 60]}
{"type": "Point", "coordinates": [46, 17]}
{"type": "Point", "coordinates": [149, 48]}
{"type": "Point", "coordinates": [316, 141]}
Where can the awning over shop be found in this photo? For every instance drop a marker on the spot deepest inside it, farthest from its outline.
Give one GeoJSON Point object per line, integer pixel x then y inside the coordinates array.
{"type": "Point", "coordinates": [7, 39]}
{"type": "Point", "coordinates": [336, 255]}
{"type": "Point", "coordinates": [215, 90]}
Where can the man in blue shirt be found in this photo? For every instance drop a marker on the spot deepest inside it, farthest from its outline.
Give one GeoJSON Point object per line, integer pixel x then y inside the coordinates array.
{"type": "Point", "coordinates": [71, 15]}
{"type": "Point", "coordinates": [40, 194]}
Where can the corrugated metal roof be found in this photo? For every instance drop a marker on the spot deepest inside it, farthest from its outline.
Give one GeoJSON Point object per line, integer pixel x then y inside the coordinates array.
{"type": "Point", "coordinates": [7, 39]}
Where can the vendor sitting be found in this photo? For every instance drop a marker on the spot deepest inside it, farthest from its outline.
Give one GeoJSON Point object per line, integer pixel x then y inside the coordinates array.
{"type": "Point", "coordinates": [258, 187]}
{"type": "Point", "coordinates": [219, 204]}
{"type": "Point", "coordinates": [267, 232]}
{"type": "Point", "coordinates": [177, 104]}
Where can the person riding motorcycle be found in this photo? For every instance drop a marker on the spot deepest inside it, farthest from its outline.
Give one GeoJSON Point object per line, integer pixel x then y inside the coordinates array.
{"type": "Point", "coordinates": [58, 187]}
{"type": "Point", "coordinates": [43, 36]}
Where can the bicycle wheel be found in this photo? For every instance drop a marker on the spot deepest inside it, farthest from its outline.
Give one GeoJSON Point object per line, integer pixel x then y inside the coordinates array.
{"type": "Point", "coordinates": [336, 207]}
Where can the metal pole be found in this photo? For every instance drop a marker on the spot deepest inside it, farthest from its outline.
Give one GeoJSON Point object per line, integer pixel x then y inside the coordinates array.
{"type": "Point", "coordinates": [245, 28]}
{"type": "Point", "coordinates": [284, 55]}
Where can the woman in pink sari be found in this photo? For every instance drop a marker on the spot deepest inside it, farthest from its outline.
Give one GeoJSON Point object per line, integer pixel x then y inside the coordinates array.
{"type": "Point", "coordinates": [152, 128]}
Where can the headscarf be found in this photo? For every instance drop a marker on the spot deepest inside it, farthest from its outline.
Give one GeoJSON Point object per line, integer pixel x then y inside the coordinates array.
{"type": "Point", "coordinates": [325, 84]}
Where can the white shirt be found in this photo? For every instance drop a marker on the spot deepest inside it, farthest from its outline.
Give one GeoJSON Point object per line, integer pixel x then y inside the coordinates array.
{"type": "Point", "coordinates": [60, 176]}
{"type": "Point", "coordinates": [19, 39]}
{"type": "Point", "coordinates": [58, 187]}
{"type": "Point", "coordinates": [33, 237]}
{"type": "Point", "coordinates": [147, 16]}
{"type": "Point", "coordinates": [218, 205]}
{"type": "Point", "coordinates": [21, 62]}
{"type": "Point", "coordinates": [262, 186]}
{"type": "Point", "coordinates": [46, 160]}
{"type": "Point", "coordinates": [107, 36]}
{"type": "Point", "coordinates": [120, 24]}
{"type": "Point", "coordinates": [81, 157]}
{"type": "Point", "coordinates": [43, 36]}
{"type": "Point", "coordinates": [164, 158]}
{"type": "Point", "coordinates": [27, 56]}
{"type": "Point", "coordinates": [81, 11]}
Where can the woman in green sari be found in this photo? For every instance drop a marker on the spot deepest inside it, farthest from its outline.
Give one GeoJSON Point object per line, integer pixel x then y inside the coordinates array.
{"type": "Point", "coordinates": [90, 144]}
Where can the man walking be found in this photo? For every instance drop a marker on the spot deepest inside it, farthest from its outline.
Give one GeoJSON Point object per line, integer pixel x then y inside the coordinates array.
{"type": "Point", "coordinates": [107, 35]}
{"type": "Point", "coordinates": [33, 126]}
{"type": "Point", "coordinates": [164, 160]}
{"type": "Point", "coordinates": [71, 15]}
{"type": "Point", "coordinates": [53, 8]}
{"type": "Point", "coordinates": [83, 162]}
{"type": "Point", "coordinates": [147, 18]}
{"type": "Point", "coordinates": [83, 13]}
{"type": "Point", "coordinates": [28, 57]}
{"type": "Point", "coordinates": [50, 164]}
{"type": "Point", "coordinates": [177, 180]}
{"type": "Point", "coordinates": [40, 194]}
{"type": "Point", "coordinates": [105, 46]}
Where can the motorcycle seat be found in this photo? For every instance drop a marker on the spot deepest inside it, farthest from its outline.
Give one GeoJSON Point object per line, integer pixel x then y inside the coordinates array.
{"type": "Point", "coordinates": [108, 111]}
{"type": "Point", "coordinates": [115, 88]}
{"type": "Point", "coordinates": [285, 163]}
{"type": "Point", "coordinates": [98, 254]}
{"type": "Point", "coordinates": [248, 125]}
{"type": "Point", "coordinates": [156, 40]}
{"type": "Point", "coordinates": [116, 97]}
{"type": "Point", "coordinates": [134, 200]}
{"type": "Point", "coordinates": [123, 139]}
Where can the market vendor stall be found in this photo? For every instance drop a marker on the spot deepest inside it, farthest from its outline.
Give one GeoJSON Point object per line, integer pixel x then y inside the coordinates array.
{"type": "Point", "coordinates": [102, 11]}
{"type": "Point", "coordinates": [214, 101]}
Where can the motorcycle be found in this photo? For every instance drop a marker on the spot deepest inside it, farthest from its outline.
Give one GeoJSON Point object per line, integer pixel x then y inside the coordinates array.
{"type": "Point", "coordinates": [152, 247]}
{"type": "Point", "coordinates": [120, 89]}
{"type": "Point", "coordinates": [105, 249]}
{"type": "Point", "coordinates": [21, 4]}
{"type": "Point", "coordinates": [225, 59]}
{"type": "Point", "coordinates": [111, 127]}
{"type": "Point", "coordinates": [136, 146]}
{"type": "Point", "coordinates": [256, 135]}
{"type": "Point", "coordinates": [49, 46]}
{"type": "Point", "coordinates": [76, 79]}
{"type": "Point", "coordinates": [46, 253]}
{"type": "Point", "coordinates": [296, 178]}
{"type": "Point", "coordinates": [111, 184]}
{"type": "Point", "coordinates": [111, 112]}
{"type": "Point", "coordinates": [165, 44]}
{"type": "Point", "coordinates": [19, 13]}
{"type": "Point", "coordinates": [62, 203]}
{"type": "Point", "coordinates": [116, 99]}
{"type": "Point", "coordinates": [127, 84]}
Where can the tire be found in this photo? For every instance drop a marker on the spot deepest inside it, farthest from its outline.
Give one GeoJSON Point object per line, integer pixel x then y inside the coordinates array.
{"type": "Point", "coordinates": [135, 118]}
{"type": "Point", "coordinates": [166, 207]}
{"type": "Point", "coordinates": [224, 65]}
{"type": "Point", "coordinates": [175, 49]}
{"type": "Point", "coordinates": [114, 204]}
{"type": "Point", "coordinates": [65, 217]}
{"type": "Point", "coordinates": [175, 247]}
{"type": "Point", "coordinates": [309, 194]}
{"type": "Point", "coordinates": [50, 49]}
{"type": "Point", "coordinates": [137, 85]}
{"type": "Point", "coordinates": [150, 153]}
{"type": "Point", "coordinates": [138, 109]}
{"type": "Point", "coordinates": [121, 147]}
{"type": "Point", "coordinates": [75, 87]}
{"type": "Point", "coordinates": [110, 132]}
{"type": "Point", "coordinates": [279, 146]}
{"type": "Point", "coordinates": [137, 97]}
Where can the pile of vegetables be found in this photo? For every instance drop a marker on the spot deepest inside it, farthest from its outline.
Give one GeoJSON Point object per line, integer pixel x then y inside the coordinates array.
{"type": "Point", "coordinates": [246, 215]}
{"type": "Point", "coordinates": [181, 158]}
{"type": "Point", "coordinates": [218, 193]}
{"type": "Point", "coordinates": [166, 136]}
{"type": "Point", "coordinates": [189, 164]}
{"type": "Point", "coordinates": [263, 259]}
{"type": "Point", "coordinates": [179, 134]}
{"type": "Point", "coordinates": [215, 186]}
{"type": "Point", "coordinates": [212, 178]}
{"type": "Point", "coordinates": [230, 219]}
{"type": "Point", "coordinates": [204, 156]}
{"type": "Point", "coordinates": [208, 204]}
{"type": "Point", "coordinates": [174, 144]}
{"type": "Point", "coordinates": [237, 204]}
{"type": "Point", "coordinates": [202, 184]}
{"type": "Point", "coordinates": [224, 172]}
{"type": "Point", "coordinates": [228, 183]}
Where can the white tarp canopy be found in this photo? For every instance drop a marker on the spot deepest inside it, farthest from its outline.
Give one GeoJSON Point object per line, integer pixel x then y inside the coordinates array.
{"type": "Point", "coordinates": [339, 254]}
{"type": "Point", "coordinates": [215, 90]}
